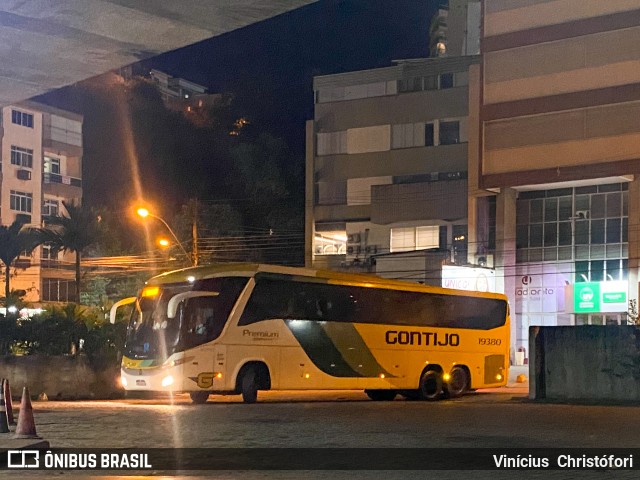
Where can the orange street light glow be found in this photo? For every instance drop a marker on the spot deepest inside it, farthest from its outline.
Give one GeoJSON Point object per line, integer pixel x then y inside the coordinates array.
{"type": "Point", "coordinates": [163, 242]}
{"type": "Point", "coordinates": [143, 212]}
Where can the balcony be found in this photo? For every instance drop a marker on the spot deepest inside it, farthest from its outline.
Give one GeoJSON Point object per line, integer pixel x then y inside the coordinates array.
{"type": "Point", "coordinates": [62, 185]}
{"type": "Point", "coordinates": [405, 202]}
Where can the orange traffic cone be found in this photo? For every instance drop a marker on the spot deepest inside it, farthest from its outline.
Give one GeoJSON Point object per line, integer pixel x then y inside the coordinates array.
{"type": "Point", "coordinates": [26, 427]}
{"type": "Point", "coordinates": [4, 426]}
{"type": "Point", "coordinates": [6, 389]}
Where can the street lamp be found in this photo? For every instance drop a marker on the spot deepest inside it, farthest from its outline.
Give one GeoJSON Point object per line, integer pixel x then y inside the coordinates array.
{"type": "Point", "coordinates": [144, 213]}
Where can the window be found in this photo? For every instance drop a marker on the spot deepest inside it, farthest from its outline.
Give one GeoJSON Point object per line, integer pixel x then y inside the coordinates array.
{"type": "Point", "coordinates": [446, 80]}
{"type": "Point", "coordinates": [413, 84]}
{"type": "Point", "coordinates": [301, 303]}
{"type": "Point", "coordinates": [21, 118]}
{"type": "Point", "coordinates": [50, 208]}
{"type": "Point", "coordinates": [449, 133]}
{"type": "Point", "coordinates": [23, 157]}
{"type": "Point", "coordinates": [58, 290]}
{"type": "Point", "coordinates": [333, 143]}
{"type": "Point", "coordinates": [20, 201]}
{"type": "Point", "coordinates": [46, 253]}
{"type": "Point", "coordinates": [414, 238]}
{"type": "Point", "coordinates": [407, 135]}
{"type": "Point", "coordinates": [429, 139]}
{"type": "Point", "coordinates": [51, 165]}
{"type": "Point", "coordinates": [427, 237]}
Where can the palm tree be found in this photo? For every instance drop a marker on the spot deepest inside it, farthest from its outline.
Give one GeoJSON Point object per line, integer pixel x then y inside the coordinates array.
{"type": "Point", "coordinates": [14, 241]}
{"type": "Point", "coordinates": [76, 231]}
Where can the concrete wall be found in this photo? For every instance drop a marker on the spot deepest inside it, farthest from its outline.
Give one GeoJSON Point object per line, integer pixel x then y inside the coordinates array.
{"type": "Point", "coordinates": [60, 377]}
{"type": "Point", "coordinates": [585, 363]}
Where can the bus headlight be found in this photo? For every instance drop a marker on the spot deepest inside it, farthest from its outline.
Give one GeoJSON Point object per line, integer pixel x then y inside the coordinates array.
{"type": "Point", "coordinates": [123, 381]}
{"type": "Point", "coordinates": [167, 381]}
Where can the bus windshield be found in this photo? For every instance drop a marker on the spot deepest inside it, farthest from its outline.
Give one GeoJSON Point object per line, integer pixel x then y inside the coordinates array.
{"type": "Point", "coordinates": [151, 334]}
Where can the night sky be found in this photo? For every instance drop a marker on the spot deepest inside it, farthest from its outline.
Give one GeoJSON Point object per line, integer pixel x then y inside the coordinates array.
{"type": "Point", "coordinates": [273, 62]}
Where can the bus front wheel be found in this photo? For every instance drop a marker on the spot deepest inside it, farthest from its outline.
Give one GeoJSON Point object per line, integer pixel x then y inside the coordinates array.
{"type": "Point", "coordinates": [381, 395]}
{"type": "Point", "coordinates": [458, 382]}
{"type": "Point", "coordinates": [249, 386]}
{"type": "Point", "coordinates": [430, 385]}
{"type": "Point", "coordinates": [199, 397]}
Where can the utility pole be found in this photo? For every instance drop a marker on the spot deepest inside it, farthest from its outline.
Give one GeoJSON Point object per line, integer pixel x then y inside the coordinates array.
{"type": "Point", "coordinates": [194, 233]}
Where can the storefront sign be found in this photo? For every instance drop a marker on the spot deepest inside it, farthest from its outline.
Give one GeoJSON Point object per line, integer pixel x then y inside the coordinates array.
{"type": "Point", "coordinates": [465, 278]}
{"type": "Point", "coordinates": [600, 297]}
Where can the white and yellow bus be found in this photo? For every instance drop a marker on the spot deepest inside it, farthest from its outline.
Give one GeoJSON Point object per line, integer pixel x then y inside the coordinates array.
{"type": "Point", "coordinates": [238, 329]}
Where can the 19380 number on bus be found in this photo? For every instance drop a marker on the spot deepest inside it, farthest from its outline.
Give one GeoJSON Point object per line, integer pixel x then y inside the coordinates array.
{"type": "Point", "coordinates": [489, 341]}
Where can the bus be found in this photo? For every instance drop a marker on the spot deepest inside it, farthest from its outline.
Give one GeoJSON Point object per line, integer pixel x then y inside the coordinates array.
{"type": "Point", "coordinates": [242, 328]}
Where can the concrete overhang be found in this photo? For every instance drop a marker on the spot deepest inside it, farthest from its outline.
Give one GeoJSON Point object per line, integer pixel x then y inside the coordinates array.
{"type": "Point", "coordinates": [46, 45]}
{"type": "Point", "coordinates": [575, 183]}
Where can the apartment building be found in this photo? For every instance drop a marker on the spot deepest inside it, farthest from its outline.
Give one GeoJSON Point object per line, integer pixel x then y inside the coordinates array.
{"type": "Point", "coordinates": [41, 167]}
{"type": "Point", "coordinates": [554, 146]}
{"type": "Point", "coordinates": [386, 164]}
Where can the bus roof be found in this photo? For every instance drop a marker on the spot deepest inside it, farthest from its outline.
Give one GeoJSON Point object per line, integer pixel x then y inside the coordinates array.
{"type": "Point", "coordinates": [192, 274]}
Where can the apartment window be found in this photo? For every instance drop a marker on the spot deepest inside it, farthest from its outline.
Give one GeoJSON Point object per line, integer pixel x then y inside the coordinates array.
{"type": "Point", "coordinates": [333, 143]}
{"type": "Point", "coordinates": [429, 132]}
{"type": "Point", "coordinates": [46, 253]}
{"type": "Point", "coordinates": [449, 133]}
{"type": "Point", "coordinates": [407, 135]}
{"type": "Point", "coordinates": [446, 80]}
{"type": "Point", "coordinates": [23, 157]}
{"type": "Point", "coordinates": [21, 118]}
{"type": "Point", "coordinates": [414, 238]}
{"type": "Point", "coordinates": [58, 290]}
{"type": "Point", "coordinates": [20, 201]}
{"type": "Point", "coordinates": [413, 84]}
{"type": "Point", "coordinates": [51, 165]}
{"type": "Point", "coordinates": [50, 208]}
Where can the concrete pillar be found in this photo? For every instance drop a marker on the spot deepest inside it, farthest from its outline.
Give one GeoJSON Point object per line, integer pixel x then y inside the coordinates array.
{"type": "Point", "coordinates": [309, 197]}
{"type": "Point", "coordinates": [505, 256]}
{"type": "Point", "coordinates": [634, 239]}
{"type": "Point", "coordinates": [472, 229]}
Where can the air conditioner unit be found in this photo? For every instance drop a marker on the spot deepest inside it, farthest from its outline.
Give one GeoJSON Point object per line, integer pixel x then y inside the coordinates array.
{"type": "Point", "coordinates": [24, 174]}
{"type": "Point", "coordinates": [485, 260]}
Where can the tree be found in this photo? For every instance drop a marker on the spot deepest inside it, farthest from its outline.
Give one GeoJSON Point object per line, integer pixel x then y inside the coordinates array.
{"type": "Point", "coordinates": [74, 232]}
{"type": "Point", "coordinates": [14, 241]}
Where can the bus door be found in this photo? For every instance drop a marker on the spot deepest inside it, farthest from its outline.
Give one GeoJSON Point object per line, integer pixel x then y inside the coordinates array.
{"type": "Point", "coordinates": [199, 328]}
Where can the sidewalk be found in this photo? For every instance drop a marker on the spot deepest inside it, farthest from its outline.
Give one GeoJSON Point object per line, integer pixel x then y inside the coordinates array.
{"type": "Point", "coordinates": [514, 371]}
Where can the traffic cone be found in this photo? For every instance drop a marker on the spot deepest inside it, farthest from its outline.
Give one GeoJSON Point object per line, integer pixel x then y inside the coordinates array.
{"type": "Point", "coordinates": [4, 426]}
{"type": "Point", "coordinates": [6, 389]}
{"type": "Point", "coordinates": [26, 427]}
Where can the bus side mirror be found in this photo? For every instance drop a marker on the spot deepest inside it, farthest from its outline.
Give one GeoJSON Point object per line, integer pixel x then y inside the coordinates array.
{"type": "Point", "coordinates": [118, 304]}
{"type": "Point", "coordinates": [172, 306]}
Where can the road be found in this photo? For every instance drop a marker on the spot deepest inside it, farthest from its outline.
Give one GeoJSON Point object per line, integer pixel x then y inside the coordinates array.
{"type": "Point", "coordinates": [344, 419]}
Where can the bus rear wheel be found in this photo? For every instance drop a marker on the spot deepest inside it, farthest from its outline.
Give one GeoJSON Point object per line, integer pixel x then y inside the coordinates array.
{"type": "Point", "coordinates": [458, 382]}
{"type": "Point", "coordinates": [249, 386]}
{"type": "Point", "coordinates": [381, 395]}
{"type": "Point", "coordinates": [430, 385]}
{"type": "Point", "coordinates": [199, 397]}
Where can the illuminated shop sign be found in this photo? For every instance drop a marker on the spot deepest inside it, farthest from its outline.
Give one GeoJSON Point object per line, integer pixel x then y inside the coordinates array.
{"type": "Point", "coordinates": [468, 278]}
{"type": "Point", "coordinates": [595, 297]}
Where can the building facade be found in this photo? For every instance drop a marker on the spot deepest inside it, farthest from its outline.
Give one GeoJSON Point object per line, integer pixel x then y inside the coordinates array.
{"type": "Point", "coordinates": [554, 146]}
{"type": "Point", "coordinates": [41, 167]}
{"type": "Point", "coordinates": [386, 165]}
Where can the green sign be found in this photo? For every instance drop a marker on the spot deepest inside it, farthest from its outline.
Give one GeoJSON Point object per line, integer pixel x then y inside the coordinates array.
{"type": "Point", "coordinates": [600, 297]}
{"type": "Point", "coordinates": [614, 297]}
{"type": "Point", "coordinates": [586, 297]}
